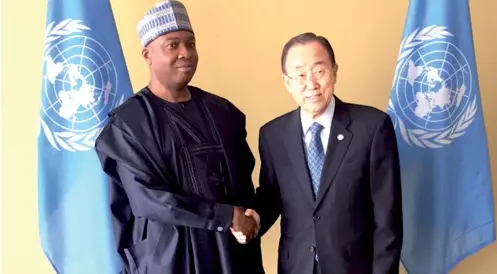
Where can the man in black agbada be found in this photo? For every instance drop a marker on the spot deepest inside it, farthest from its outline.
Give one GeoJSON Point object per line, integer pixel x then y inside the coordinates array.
{"type": "Point", "coordinates": [179, 164]}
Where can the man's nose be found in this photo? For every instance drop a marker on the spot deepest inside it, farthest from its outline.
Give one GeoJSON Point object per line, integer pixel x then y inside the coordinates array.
{"type": "Point", "coordinates": [185, 52]}
{"type": "Point", "coordinates": [312, 84]}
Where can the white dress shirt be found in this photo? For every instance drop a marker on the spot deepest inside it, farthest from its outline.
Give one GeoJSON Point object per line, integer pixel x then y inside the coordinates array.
{"type": "Point", "coordinates": [325, 120]}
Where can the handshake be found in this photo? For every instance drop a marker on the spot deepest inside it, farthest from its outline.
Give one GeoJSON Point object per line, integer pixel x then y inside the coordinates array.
{"type": "Point", "coordinates": [245, 224]}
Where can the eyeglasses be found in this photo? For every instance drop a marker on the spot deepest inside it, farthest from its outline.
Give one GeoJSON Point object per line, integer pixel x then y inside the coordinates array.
{"type": "Point", "coordinates": [319, 73]}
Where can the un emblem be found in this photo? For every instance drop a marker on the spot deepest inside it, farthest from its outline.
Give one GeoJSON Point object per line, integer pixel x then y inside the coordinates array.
{"type": "Point", "coordinates": [433, 102]}
{"type": "Point", "coordinates": [79, 86]}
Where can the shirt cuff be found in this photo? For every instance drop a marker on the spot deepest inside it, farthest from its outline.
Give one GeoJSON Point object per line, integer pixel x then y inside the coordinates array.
{"type": "Point", "coordinates": [223, 216]}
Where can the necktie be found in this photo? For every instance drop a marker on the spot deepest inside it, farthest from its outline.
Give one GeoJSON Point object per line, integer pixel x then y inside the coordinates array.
{"type": "Point", "coordinates": [315, 156]}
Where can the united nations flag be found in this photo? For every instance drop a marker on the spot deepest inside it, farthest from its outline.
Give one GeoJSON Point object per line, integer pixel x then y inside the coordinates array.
{"type": "Point", "coordinates": [84, 78]}
{"type": "Point", "coordinates": [436, 107]}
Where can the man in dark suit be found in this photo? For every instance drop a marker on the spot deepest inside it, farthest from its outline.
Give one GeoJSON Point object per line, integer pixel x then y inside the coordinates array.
{"type": "Point", "coordinates": [331, 170]}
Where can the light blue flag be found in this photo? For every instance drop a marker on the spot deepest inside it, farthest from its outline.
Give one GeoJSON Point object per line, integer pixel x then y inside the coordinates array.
{"type": "Point", "coordinates": [436, 107]}
{"type": "Point", "coordinates": [84, 78]}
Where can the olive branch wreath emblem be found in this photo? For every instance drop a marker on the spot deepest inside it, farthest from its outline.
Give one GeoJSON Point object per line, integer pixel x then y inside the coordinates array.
{"type": "Point", "coordinates": [68, 140]}
{"type": "Point", "coordinates": [420, 137]}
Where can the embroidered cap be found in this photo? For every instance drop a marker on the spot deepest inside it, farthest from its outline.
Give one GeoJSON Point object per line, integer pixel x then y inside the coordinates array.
{"type": "Point", "coordinates": [167, 16]}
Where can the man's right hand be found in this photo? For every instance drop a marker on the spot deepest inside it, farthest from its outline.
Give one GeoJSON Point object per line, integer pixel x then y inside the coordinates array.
{"type": "Point", "coordinates": [243, 225]}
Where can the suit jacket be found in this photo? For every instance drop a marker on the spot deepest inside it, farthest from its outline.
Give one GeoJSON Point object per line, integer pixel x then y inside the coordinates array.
{"type": "Point", "coordinates": [355, 222]}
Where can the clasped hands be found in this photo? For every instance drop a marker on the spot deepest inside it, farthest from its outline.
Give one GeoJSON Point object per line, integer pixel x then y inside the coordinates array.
{"type": "Point", "coordinates": [245, 224]}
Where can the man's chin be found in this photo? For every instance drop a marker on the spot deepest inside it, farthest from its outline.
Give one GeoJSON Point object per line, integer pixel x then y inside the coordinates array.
{"type": "Point", "coordinates": [315, 109]}
{"type": "Point", "coordinates": [184, 79]}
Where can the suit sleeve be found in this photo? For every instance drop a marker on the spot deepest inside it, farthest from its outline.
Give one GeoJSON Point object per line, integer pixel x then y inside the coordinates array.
{"type": "Point", "coordinates": [268, 193]}
{"type": "Point", "coordinates": [245, 162]}
{"type": "Point", "coordinates": [123, 160]}
{"type": "Point", "coordinates": [386, 196]}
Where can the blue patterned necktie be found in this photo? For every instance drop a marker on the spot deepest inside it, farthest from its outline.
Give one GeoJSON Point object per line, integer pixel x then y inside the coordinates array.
{"type": "Point", "coordinates": [315, 156]}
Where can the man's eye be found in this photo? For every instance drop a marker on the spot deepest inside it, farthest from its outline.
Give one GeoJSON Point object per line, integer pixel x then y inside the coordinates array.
{"type": "Point", "coordinates": [173, 45]}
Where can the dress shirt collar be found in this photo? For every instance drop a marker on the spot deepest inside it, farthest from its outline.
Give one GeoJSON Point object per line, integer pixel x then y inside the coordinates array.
{"type": "Point", "coordinates": [325, 118]}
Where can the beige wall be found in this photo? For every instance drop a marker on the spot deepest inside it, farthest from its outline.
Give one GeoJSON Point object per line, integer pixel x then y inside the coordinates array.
{"type": "Point", "coordinates": [239, 45]}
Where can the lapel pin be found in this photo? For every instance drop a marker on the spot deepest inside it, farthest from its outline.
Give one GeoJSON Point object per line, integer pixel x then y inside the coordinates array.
{"type": "Point", "coordinates": [340, 137]}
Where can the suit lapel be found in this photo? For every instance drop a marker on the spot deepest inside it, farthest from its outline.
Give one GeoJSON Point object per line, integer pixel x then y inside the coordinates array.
{"type": "Point", "coordinates": [340, 138]}
{"type": "Point", "coordinates": [295, 148]}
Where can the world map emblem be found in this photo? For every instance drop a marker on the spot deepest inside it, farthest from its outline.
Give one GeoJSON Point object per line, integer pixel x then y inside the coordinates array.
{"type": "Point", "coordinates": [79, 86]}
{"type": "Point", "coordinates": [432, 98]}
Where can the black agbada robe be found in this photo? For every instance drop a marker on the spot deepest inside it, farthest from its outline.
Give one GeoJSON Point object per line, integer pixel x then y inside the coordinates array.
{"type": "Point", "coordinates": [177, 170]}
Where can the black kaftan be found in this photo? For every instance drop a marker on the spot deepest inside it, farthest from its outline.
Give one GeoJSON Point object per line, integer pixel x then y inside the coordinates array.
{"type": "Point", "coordinates": [177, 170]}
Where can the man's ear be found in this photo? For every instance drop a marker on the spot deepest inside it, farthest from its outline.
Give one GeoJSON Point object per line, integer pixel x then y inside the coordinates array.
{"type": "Point", "coordinates": [287, 83]}
{"type": "Point", "coordinates": [146, 55]}
{"type": "Point", "coordinates": [334, 73]}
